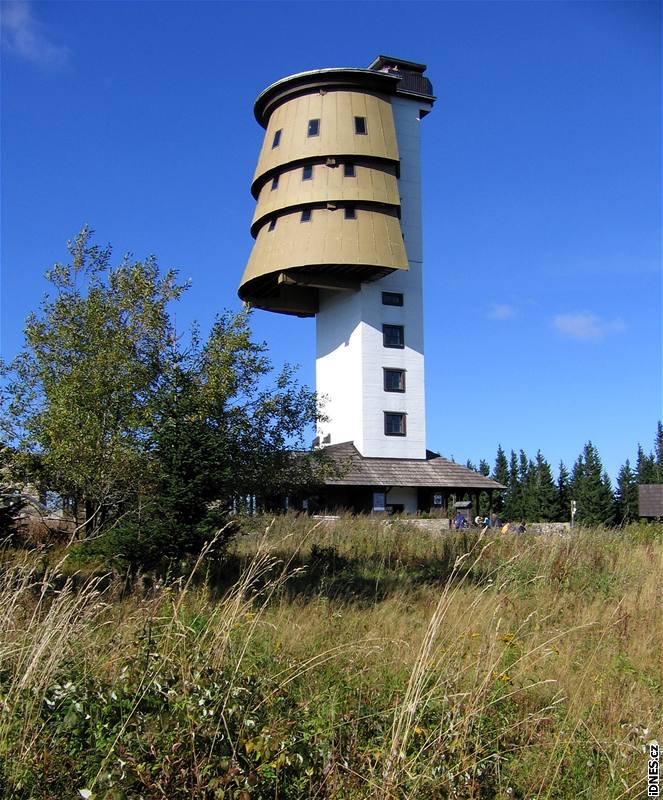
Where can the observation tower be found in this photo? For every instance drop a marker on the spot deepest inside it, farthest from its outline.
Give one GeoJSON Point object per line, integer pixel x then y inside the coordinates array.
{"type": "Point", "coordinates": [337, 230]}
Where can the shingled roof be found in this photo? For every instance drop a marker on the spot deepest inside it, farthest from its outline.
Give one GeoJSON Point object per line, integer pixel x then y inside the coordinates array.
{"type": "Point", "coordinates": [434, 471]}
{"type": "Point", "coordinates": [650, 500]}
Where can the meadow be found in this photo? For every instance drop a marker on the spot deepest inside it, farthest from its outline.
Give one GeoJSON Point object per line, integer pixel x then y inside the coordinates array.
{"type": "Point", "coordinates": [339, 660]}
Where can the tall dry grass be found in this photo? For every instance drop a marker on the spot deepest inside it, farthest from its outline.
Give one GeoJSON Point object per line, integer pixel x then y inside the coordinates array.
{"type": "Point", "coordinates": [344, 660]}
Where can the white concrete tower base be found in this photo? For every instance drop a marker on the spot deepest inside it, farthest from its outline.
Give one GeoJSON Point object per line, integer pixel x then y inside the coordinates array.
{"type": "Point", "coordinates": [351, 356]}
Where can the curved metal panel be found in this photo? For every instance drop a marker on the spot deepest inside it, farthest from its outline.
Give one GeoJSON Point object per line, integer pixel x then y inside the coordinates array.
{"type": "Point", "coordinates": [327, 184]}
{"type": "Point", "coordinates": [364, 248]}
{"type": "Point", "coordinates": [336, 111]}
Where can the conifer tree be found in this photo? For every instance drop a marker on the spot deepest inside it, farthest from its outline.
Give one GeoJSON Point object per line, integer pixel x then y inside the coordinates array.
{"type": "Point", "coordinates": [658, 453]}
{"type": "Point", "coordinates": [645, 467]}
{"type": "Point", "coordinates": [526, 487]}
{"type": "Point", "coordinates": [626, 495]}
{"type": "Point", "coordinates": [545, 500]}
{"type": "Point", "coordinates": [513, 508]}
{"type": "Point", "coordinates": [501, 475]}
{"type": "Point", "coordinates": [484, 501]}
{"type": "Point", "coordinates": [591, 489]}
{"type": "Point", "coordinates": [563, 494]}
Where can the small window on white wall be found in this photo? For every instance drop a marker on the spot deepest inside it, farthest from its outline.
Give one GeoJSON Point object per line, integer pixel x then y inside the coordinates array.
{"type": "Point", "coordinates": [393, 336]}
{"type": "Point", "coordinates": [394, 380]}
{"type": "Point", "coordinates": [392, 298]}
{"type": "Point", "coordinates": [394, 424]}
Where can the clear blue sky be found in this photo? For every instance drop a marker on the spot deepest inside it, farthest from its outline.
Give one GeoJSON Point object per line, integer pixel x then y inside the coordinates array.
{"type": "Point", "coordinates": [542, 187]}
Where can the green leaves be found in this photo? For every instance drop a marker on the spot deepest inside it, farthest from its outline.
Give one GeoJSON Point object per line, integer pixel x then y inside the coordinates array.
{"type": "Point", "coordinates": [80, 393]}
{"type": "Point", "coordinates": [146, 434]}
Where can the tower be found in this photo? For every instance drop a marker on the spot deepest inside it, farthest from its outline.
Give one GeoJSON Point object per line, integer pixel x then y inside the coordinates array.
{"type": "Point", "coordinates": [337, 230]}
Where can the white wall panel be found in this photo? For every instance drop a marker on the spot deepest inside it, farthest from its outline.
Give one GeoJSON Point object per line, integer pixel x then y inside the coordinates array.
{"type": "Point", "coordinates": [351, 355]}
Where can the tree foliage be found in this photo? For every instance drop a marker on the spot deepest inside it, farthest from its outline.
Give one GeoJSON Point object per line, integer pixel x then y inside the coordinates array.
{"type": "Point", "coordinates": [80, 392]}
{"type": "Point", "coordinates": [626, 495]}
{"type": "Point", "coordinates": [533, 493]}
{"type": "Point", "coordinates": [150, 435]}
{"type": "Point", "coordinates": [501, 475]}
{"type": "Point", "coordinates": [591, 489]}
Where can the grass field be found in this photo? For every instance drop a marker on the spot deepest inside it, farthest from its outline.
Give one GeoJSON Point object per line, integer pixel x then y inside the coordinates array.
{"type": "Point", "coordinates": [338, 660]}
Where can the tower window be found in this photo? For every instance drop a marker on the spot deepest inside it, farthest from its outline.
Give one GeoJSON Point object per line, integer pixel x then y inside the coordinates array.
{"type": "Point", "coordinates": [306, 215]}
{"type": "Point", "coordinates": [393, 336]}
{"type": "Point", "coordinates": [350, 212]}
{"type": "Point", "coordinates": [307, 172]}
{"type": "Point", "coordinates": [272, 224]}
{"type": "Point", "coordinates": [348, 170]}
{"type": "Point", "coordinates": [313, 127]}
{"type": "Point", "coordinates": [275, 182]}
{"type": "Point", "coordinates": [394, 380]}
{"type": "Point", "coordinates": [394, 424]}
{"type": "Point", "coordinates": [276, 141]}
{"type": "Point", "coordinates": [392, 298]}
{"type": "Point", "coordinates": [360, 126]}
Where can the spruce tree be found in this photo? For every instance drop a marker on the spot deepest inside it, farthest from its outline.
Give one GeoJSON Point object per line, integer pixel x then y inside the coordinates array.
{"type": "Point", "coordinates": [645, 469]}
{"type": "Point", "coordinates": [658, 453]}
{"type": "Point", "coordinates": [591, 489]}
{"type": "Point", "coordinates": [545, 491]}
{"type": "Point", "coordinates": [526, 480]}
{"type": "Point", "coordinates": [626, 495]}
{"type": "Point", "coordinates": [513, 503]}
{"type": "Point", "coordinates": [484, 500]}
{"type": "Point", "coordinates": [563, 494]}
{"type": "Point", "coordinates": [501, 475]}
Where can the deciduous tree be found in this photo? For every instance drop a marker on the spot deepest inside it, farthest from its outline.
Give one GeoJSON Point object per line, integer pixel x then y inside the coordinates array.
{"type": "Point", "coordinates": [79, 394]}
{"type": "Point", "coordinates": [153, 435]}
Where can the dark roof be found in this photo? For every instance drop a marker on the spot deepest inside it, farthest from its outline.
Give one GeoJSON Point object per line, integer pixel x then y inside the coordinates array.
{"type": "Point", "coordinates": [650, 500]}
{"type": "Point", "coordinates": [434, 471]}
{"type": "Point", "coordinates": [387, 61]}
{"type": "Point", "coordinates": [411, 74]}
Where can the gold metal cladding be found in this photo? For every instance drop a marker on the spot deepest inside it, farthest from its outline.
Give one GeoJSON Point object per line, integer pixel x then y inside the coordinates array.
{"type": "Point", "coordinates": [336, 111]}
{"type": "Point", "coordinates": [371, 183]}
{"type": "Point", "coordinates": [371, 245]}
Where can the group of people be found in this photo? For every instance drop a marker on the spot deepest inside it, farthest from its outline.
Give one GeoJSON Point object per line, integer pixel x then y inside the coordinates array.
{"type": "Point", "coordinates": [491, 521]}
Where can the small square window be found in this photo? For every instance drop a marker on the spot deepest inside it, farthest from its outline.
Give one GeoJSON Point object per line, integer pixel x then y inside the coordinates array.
{"type": "Point", "coordinates": [313, 127]}
{"type": "Point", "coordinates": [275, 182]}
{"type": "Point", "coordinates": [307, 172]}
{"type": "Point", "coordinates": [393, 336]}
{"type": "Point", "coordinates": [272, 224]}
{"type": "Point", "coordinates": [394, 380]}
{"type": "Point", "coordinates": [348, 170]}
{"type": "Point", "coordinates": [350, 212]}
{"type": "Point", "coordinates": [394, 424]}
{"type": "Point", "coordinates": [392, 298]}
{"type": "Point", "coordinates": [306, 215]}
{"type": "Point", "coordinates": [360, 125]}
{"type": "Point", "coordinates": [276, 141]}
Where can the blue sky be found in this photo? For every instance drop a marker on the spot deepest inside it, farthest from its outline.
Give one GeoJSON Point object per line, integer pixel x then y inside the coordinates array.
{"type": "Point", "coordinates": [542, 187]}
